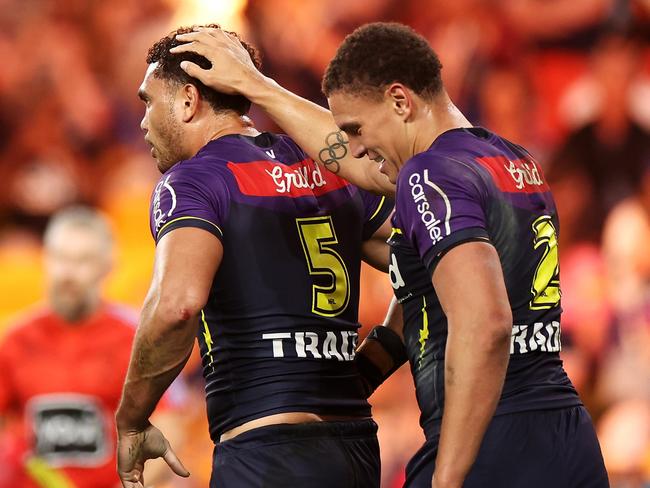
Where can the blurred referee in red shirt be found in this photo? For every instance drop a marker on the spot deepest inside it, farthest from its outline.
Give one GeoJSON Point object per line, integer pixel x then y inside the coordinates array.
{"type": "Point", "coordinates": [63, 367]}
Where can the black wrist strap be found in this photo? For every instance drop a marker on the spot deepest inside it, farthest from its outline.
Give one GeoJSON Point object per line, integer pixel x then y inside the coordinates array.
{"type": "Point", "coordinates": [393, 345]}
{"type": "Point", "coordinates": [371, 374]}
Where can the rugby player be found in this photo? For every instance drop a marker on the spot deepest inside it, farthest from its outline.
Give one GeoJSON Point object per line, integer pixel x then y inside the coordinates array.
{"type": "Point", "coordinates": [474, 260]}
{"type": "Point", "coordinates": [258, 252]}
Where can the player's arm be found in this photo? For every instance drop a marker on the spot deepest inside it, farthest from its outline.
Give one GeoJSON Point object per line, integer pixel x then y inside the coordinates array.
{"type": "Point", "coordinates": [186, 261]}
{"type": "Point", "coordinates": [382, 352]}
{"type": "Point", "coordinates": [310, 125]}
{"type": "Point", "coordinates": [470, 286]}
{"type": "Point", "coordinates": [375, 250]}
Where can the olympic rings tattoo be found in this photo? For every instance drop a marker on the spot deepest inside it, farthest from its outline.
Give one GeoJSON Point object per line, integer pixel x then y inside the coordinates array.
{"type": "Point", "coordinates": [337, 148]}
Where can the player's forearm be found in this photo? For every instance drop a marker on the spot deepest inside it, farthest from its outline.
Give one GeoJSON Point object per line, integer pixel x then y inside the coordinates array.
{"type": "Point", "coordinates": [395, 318]}
{"type": "Point", "coordinates": [161, 348]}
{"type": "Point", "coordinates": [383, 351]}
{"type": "Point", "coordinates": [475, 368]}
{"type": "Point", "coordinates": [375, 252]}
{"type": "Point", "coordinates": [314, 130]}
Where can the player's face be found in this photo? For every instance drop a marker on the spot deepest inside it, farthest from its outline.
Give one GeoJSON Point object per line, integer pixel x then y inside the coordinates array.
{"type": "Point", "coordinates": [161, 128]}
{"type": "Point", "coordinates": [76, 262]}
{"type": "Point", "coordinates": [373, 128]}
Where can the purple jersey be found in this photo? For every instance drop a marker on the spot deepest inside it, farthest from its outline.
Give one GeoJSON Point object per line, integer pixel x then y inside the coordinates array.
{"type": "Point", "coordinates": [278, 333]}
{"type": "Point", "coordinates": [472, 185]}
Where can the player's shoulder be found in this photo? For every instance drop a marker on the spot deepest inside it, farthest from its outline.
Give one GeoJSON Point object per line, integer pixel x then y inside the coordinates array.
{"type": "Point", "coordinates": [217, 158]}
{"type": "Point", "coordinates": [290, 146]}
{"type": "Point", "coordinates": [200, 174]}
{"type": "Point", "coordinates": [459, 155]}
{"type": "Point", "coordinates": [204, 167]}
{"type": "Point", "coordinates": [439, 166]}
{"type": "Point", "coordinates": [265, 146]}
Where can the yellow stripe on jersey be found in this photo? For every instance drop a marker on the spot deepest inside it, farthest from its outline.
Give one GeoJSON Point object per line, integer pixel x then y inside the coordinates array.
{"type": "Point", "coordinates": [424, 331]}
{"type": "Point", "coordinates": [208, 337]}
{"type": "Point", "coordinates": [394, 231]}
{"type": "Point", "coordinates": [187, 218]}
{"type": "Point", "coordinates": [381, 204]}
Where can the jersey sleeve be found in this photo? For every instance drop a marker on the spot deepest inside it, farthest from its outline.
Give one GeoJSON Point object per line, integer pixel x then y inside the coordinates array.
{"type": "Point", "coordinates": [376, 210]}
{"type": "Point", "coordinates": [189, 196]}
{"type": "Point", "coordinates": [441, 203]}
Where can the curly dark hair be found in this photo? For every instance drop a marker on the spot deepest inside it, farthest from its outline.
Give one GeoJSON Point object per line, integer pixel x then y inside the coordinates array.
{"type": "Point", "coordinates": [169, 68]}
{"type": "Point", "coordinates": [378, 54]}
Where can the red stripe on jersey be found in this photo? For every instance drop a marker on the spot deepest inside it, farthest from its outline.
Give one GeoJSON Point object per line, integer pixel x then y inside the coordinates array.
{"type": "Point", "coordinates": [271, 179]}
{"type": "Point", "coordinates": [518, 176]}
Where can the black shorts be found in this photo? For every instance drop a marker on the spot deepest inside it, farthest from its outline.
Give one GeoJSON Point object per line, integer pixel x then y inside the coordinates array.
{"type": "Point", "coordinates": [311, 455]}
{"type": "Point", "coordinates": [539, 449]}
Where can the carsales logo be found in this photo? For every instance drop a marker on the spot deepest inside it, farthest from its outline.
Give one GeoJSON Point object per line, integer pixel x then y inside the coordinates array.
{"type": "Point", "coordinates": [432, 222]}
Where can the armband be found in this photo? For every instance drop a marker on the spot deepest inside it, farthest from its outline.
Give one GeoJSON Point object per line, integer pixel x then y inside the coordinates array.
{"type": "Point", "coordinates": [392, 344]}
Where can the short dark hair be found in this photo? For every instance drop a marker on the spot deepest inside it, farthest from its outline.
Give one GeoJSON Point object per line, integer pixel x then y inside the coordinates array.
{"type": "Point", "coordinates": [378, 54]}
{"type": "Point", "coordinates": [169, 68]}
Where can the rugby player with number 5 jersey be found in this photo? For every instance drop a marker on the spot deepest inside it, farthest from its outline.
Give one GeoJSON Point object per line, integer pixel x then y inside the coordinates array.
{"type": "Point", "coordinates": [258, 253]}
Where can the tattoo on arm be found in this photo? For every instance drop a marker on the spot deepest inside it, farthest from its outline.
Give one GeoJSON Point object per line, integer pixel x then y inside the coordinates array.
{"type": "Point", "coordinates": [144, 355]}
{"type": "Point", "coordinates": [335, 150]}
{"type": "Point", "coordinates": [135, 449]}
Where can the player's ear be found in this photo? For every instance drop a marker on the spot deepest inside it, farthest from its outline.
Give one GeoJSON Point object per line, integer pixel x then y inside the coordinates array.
{"type": "Point", "coordinates": [189, 98]}
{"type": "Point", "coordinates": [400, 100]}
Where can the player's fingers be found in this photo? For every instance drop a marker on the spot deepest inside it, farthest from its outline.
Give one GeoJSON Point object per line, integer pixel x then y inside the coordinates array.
{"type": "Point", "coordinates": [234, 39]}
{"type": "Point", "coordinates": [174, 463]}
{"type": "Point", "coordinates": [212, 31]}
{"type": "Point", "coordinates": [221, 35]}
{"type": "Point", "coordinates": [199, 36]}
{"type": "Point", "coordinates": [132, 483]}
{"type": "Point", "coordinates": [195, 71]}
{"type": "Point", "coordinates": [197, 47]}
{"type": "Point", "coordinates": [203, 42]}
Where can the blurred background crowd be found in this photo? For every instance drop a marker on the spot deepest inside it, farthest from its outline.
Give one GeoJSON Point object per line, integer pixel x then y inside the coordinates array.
{"type": "Point", "coordinates": [568, 79]}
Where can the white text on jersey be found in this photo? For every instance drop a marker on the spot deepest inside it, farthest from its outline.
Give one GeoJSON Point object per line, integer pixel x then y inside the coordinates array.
{"type": "Point", "coordinates": [524, 174]}
{"type": "Point", "coordinates": [339, 345]}
{"type": "Point", "coordinates": [297, 178]}
{"type": "Point", "coordinates": [536, 337]}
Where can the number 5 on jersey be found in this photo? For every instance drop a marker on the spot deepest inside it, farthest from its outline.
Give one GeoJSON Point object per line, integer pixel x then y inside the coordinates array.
{"type": "Point", "coordinates": [317, 237]}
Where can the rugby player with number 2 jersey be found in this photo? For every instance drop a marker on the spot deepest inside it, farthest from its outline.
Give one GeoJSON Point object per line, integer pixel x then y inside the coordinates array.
{"type": "Point", "coordinates": [474, 261]}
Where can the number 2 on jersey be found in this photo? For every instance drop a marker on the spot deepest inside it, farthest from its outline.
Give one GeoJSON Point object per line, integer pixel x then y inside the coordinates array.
{"type": "Point", "coordinates": [317, 237]}
{"type": "Point", "coordinates": [546, 282]}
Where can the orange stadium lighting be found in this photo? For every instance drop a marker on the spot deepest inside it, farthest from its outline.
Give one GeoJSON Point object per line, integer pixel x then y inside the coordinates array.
{"type": "Point", "coordinates": [228, 13]}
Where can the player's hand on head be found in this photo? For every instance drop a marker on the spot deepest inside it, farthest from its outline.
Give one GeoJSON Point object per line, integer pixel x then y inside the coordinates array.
{"type": "Point", "coordinates": [135, 447]}
{"type": "Point", "coordinates": [231, 63]}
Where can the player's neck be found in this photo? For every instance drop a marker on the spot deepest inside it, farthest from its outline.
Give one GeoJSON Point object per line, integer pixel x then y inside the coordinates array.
{"type": "Point", "coordinates": [232, 123]}
{"type": "Point", "coordinates": [222, 125]}
{"type": "Point", "coordinates": [441, 115]}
